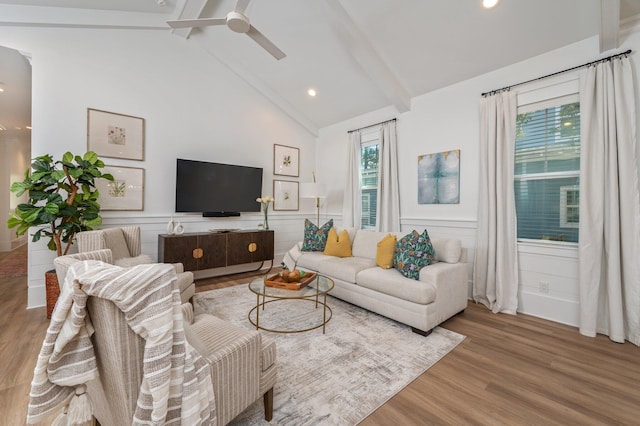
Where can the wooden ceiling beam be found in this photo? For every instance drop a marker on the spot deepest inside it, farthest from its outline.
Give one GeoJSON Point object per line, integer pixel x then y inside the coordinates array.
{"type": "Point", "coordinates": [372, 64]}
{"type": "Point", "coordinates": [609, 24]}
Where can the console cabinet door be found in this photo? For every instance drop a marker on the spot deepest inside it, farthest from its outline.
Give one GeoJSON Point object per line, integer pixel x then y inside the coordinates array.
{"type": "Point", "coordinates": [264, 251]}
{"type": "Point", "coordinates": [239, 248]}
{"type": "Point", "coordinates": [214, 251]}
{"type": "Point", "coordinates": [178, 249]}
{"type": "Point", "coordinates": [247, 247]}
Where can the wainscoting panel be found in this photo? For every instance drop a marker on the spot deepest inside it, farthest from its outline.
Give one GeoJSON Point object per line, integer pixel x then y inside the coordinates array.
{"type": "Point", "coordinates": [549, 281]}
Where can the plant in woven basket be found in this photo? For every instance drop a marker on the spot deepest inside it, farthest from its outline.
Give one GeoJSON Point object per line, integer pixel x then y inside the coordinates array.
{"type": "Point", "coordinates": [62, 198]}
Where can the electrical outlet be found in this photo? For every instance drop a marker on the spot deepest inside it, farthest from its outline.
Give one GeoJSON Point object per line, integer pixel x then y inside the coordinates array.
{"type": "Point", "coordinates": [544, 287]}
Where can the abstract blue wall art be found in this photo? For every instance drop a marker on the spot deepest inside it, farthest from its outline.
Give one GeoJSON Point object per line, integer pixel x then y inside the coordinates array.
{"type": "Point", "coordinates": [439, 178]}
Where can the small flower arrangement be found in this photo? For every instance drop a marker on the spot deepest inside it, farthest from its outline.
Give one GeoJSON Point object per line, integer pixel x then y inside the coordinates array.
{"type": "Point", "coordinates": [265, 200]}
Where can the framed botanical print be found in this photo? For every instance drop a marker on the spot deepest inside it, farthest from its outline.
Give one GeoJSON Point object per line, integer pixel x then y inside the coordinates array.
{"type": "Point", "coordinates": [115, 135]}
{"type": "Point", "coordinates": [125, 192]}
{"type": "Point", "coordinates": [285, 194]}
{"type": "Point", "coordinates": [286, 160]}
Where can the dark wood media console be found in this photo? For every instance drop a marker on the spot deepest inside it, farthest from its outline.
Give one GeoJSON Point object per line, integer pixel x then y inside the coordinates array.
{"type": "Point", "coordinates": [208, 250]}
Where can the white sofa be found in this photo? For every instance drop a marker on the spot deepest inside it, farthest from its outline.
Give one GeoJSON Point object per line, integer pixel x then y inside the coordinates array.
{"type": "Point", "coordinates": [439, 294]}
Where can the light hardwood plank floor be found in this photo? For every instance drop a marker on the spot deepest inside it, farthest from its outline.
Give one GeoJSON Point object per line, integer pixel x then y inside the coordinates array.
{"type": "Point", "coordinates": [510, 370]}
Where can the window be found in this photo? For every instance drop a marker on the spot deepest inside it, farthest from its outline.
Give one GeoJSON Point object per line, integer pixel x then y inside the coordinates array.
{"type": "Point", "coordinates": [369, 155]}
{"type": "Point", "coordinates": [547, 170]}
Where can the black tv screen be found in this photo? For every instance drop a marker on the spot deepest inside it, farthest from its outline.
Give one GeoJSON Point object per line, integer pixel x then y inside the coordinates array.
{"type": "Point", "coordinates": [216, 189]}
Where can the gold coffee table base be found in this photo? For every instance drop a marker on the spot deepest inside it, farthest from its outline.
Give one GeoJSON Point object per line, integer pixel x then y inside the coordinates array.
{"type": "Point", "coordinates": [326, 318]}
{"type": "Point", "coordinates": [315, 292]}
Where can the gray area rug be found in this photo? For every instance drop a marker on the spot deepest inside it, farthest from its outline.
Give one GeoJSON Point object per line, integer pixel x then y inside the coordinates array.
{"type": "Point", "coordinates": [337, 378]}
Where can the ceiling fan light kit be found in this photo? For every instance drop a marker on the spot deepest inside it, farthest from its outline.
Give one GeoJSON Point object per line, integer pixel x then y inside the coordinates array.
{"type": "Point", "coordinates": [237, 22]}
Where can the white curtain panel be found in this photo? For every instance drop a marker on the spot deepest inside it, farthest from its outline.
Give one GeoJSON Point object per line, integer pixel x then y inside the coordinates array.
{"type": "Point", "coordinates": [495, 269]}
{"type": "Point", "coordinates": [352, 202]}
{"type": "Point", "coordinates": [609, 238]}
{"type": "Point", "coordinates": [388, 209]}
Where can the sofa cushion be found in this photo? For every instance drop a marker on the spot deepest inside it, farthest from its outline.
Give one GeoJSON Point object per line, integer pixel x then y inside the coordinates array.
{"type": "Point", "coordinates": [385, 250]}
{"type": "Point", "coordinates": [312, 260]}
{"type": "Point", "coordinates": [315, 238]}
{"type": "Point", "coordinates": [365, 244]}
{"type": "Point", "coordinates": [391, 282]}
{"type": "Point", "coordinates": [345, 268]}
{"type": "Point", "coordinates": [338, 245]}
{"type": "Point", "coordinates": [114, 239]}
{"type": "Point", "coordinates": [350, 231]}
{"type": "Point", "coordinates": [192, 337]}
{"type": "Point", "coordinates": [127, 262]}
{"type": "Point", "coordinates": [447, 249]}
{"type": "Point", "coordinates": [413, 252]}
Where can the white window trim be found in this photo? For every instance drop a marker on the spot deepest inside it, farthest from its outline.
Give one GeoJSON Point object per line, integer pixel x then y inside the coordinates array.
{"type": "Point", "coordinates": [563, 206]}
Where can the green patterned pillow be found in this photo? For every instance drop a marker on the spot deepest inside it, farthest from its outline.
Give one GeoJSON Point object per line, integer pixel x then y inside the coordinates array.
{"type": "Point", "coordinates": [315, 238]}
{"type": "Point", "coordinates": [412, 253]}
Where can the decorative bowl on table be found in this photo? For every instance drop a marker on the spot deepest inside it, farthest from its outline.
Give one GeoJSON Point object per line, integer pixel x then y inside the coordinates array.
{"type": "Point", "coordinates": [292, 276]}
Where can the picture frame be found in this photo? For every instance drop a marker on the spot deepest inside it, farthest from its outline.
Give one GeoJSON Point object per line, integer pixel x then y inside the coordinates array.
{"type": "Point", "coordinates": [286, 195]}
{"type": "Point", "coordinates": [125, 192]}
{"type": "Point", "coordinates": [286, 160]}
{"type": "Point", "coordinates": [439, 178]}
{"type": "Point", "coordinates": [114, 135]}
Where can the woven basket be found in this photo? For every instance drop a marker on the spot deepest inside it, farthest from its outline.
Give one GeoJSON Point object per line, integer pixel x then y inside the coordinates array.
{"type": "Point", "coordinates": [53, 290]}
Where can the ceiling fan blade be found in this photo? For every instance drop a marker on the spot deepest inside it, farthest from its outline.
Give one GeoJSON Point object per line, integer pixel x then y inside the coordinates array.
{"type": "Point", "coordinates": [241, 6]}
{"type": "Point", "coordinates": [191, 23]}
{"type": "Point", "coordinates": [266, 44]}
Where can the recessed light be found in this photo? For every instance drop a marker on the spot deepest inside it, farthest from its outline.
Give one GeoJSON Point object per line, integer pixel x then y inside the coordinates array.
{"type": "Point", "coordinates": [312, 92]}
{"type": "Point", "coordinates": [28, 127]}
{"type": "Point", "coordinates": [488, 4]}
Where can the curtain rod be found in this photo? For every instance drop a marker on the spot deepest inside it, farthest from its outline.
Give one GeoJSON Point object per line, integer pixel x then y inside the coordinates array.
{"type": "Point", "coordinates": [371, 125]}
{"type": "Point", "coordinates": [588, 64]}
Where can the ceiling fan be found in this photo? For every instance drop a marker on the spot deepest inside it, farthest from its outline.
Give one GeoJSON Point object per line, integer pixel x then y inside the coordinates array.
{"type": "Point", "coordinates": [238, 22]}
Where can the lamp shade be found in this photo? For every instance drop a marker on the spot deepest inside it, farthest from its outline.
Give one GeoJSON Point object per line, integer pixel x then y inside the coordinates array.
{"type": "Point", "coordinates": [312, 190]}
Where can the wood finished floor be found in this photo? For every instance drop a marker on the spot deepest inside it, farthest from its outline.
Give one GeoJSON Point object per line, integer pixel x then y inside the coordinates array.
{"type": "Point", "coordinates": [509, 370]}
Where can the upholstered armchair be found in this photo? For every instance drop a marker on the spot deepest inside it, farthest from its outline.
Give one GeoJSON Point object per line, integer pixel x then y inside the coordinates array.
{"type": "Point", "coordinates": [125, 246]}
{"type": "Point", "coordinates": [242, 361]}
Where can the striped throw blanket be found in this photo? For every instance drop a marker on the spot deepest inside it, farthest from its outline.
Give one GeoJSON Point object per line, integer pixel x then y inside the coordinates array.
{"type": "Point", "coordinates": [176, 386]}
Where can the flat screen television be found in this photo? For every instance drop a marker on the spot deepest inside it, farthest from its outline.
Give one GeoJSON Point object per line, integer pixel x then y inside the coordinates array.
{"type": "Point", "coordinates": [217, 190]}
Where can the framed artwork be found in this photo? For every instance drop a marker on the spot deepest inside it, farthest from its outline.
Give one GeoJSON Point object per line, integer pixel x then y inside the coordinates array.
{"type": "Point", "coordinates": [285, 194]}
{"type": "Point", "coordinates": [125, 192]}
{"type": "Point", "coordinates": [285, 160]}
{"type": "Point", "coordinates": [439, 178]}
{"type": "Point", "coordinates": [115, 135]}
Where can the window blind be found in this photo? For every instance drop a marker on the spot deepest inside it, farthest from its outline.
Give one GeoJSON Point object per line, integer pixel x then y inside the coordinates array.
{"type": "Point", "coordinates": [547, 170]}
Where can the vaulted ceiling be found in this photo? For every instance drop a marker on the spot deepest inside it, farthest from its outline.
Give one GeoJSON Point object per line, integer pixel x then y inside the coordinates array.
{"type": "Point", "coordinates": [359, 55]}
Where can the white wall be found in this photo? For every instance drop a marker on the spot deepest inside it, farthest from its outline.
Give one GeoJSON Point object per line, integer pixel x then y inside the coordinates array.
{"type": "Point", "coordinates": [193, 108]}
{"type": "Point", "coordinates": [449, 119]}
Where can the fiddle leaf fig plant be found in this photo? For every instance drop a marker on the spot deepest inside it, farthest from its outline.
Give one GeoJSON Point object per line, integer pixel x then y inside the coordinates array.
{"type": "Point", "coordinates": [62, 199]}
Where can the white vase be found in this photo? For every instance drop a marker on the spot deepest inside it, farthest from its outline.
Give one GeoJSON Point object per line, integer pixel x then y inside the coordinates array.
{"type": "Point", "coordinates": [179, 229]}
{"type": "Point", "coordinates": [171, 226]}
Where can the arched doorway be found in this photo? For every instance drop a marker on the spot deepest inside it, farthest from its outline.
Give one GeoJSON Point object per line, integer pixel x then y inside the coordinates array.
{"type": "Point", "coordinates": [15, 135]}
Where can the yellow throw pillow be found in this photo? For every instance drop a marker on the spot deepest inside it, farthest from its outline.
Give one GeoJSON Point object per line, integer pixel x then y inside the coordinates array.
{"type": "Point", "coordinates": [338, 245]}
{"type": "Point", "coordinates": [384, 253]}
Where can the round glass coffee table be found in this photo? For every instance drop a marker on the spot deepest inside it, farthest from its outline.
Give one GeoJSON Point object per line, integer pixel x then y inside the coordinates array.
{"type": "Point", "coordinates": [315, 292]}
